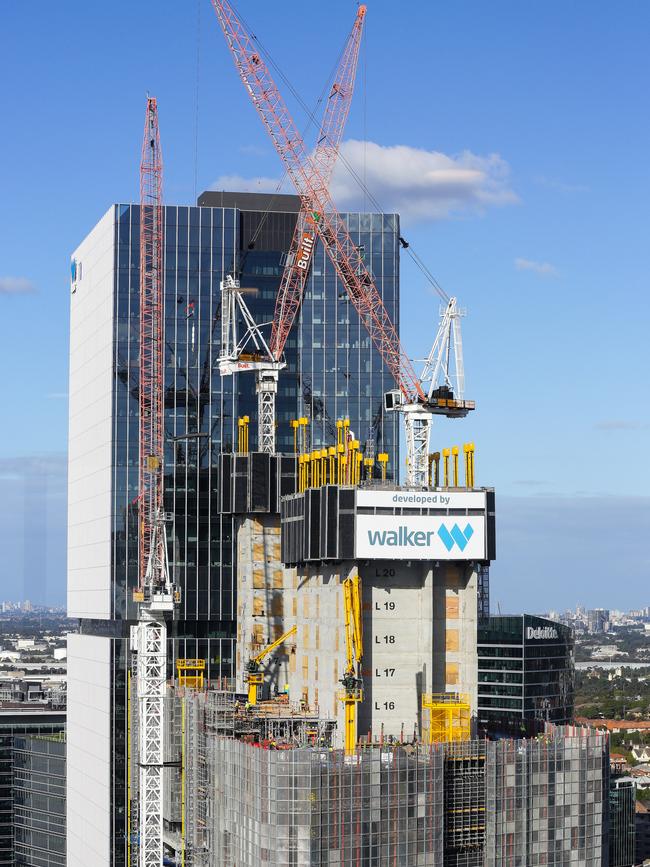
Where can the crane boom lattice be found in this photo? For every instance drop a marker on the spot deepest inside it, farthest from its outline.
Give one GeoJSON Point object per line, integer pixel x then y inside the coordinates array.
{"type": "Point", "coordinates": [155, 593]}
{"type": "Point", "coordinates": [324, 158]}
{"type": "Point", "coordinates": [312, 189]}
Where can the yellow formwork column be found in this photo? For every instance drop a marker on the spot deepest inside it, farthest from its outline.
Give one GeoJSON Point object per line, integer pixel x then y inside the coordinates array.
{"type": "Point", "coordinates": [242, 434]}
{"type": "Point", "coordinates": [331, 454]}
{"type": "Point", "coordinates": [339, 432]}
{"type": "Point", "coordinates": [470, 447]}
{"type": "Point", "coordinates": [434, 464]}
{"type": "Point", "coordinates": [343, 469]}
{"type": "Point", "coordinates": [295, 424]}
{"type": "Point", "coordinates": [455, 452]}
{"type": "Point", "coordinates": [382, 459]}
{"type": "Point", "coordinates": [449, 717]}
{"type": "Point", "coordinates": [303, 424]}
{"type": "Point", "coordinates": [445, 467]}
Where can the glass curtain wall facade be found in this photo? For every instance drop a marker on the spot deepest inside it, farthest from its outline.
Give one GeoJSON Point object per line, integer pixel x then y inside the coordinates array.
{"type": "Point", "coordinates": [39, 801]}
{"type": "Point", "coordinates": [622, 801]}
{"type": "Point", "coordinates": [14, 722]}
{"type": "Point", "coordinates": [525, 670]}
{"type": "Point", "coordinates": [332, 371]}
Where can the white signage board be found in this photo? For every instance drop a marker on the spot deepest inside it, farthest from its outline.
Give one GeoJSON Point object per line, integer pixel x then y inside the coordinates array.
{"type": "Point", "coordinates": [419, 537]}
{"type": "Point", "coordinates": [421, 499]}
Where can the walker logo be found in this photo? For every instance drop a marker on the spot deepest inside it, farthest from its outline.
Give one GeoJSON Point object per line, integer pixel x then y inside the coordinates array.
{"type": "Point", "coordinates": [419, 537]}
{"type": "Point", "coordinates": [543, 632]}
{"type": "Point", "coordinates": [401, 536]}
{"type": "Point", "coordinates": [455, 536]}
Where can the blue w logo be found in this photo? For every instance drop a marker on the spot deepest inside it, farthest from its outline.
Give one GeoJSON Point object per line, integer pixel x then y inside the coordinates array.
{"type": "Point", "coordinates": [455, 536]}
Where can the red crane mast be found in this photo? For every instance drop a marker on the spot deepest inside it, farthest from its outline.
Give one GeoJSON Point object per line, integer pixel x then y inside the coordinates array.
{"type": "Point", "coordinates": [312, 188]}
{"type": "Point", "coordinates": [151, 346]}
{"type": "Point", "coordinates": [324, 158]}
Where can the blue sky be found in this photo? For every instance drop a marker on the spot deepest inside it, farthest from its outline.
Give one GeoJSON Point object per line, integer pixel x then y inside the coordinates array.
{"type": "Point", "coordinates": [533, 116]}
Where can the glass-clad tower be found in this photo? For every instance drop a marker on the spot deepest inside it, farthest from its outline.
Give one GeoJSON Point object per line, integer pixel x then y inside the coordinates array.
{"type": "Point", "coordinates": [332, 371]}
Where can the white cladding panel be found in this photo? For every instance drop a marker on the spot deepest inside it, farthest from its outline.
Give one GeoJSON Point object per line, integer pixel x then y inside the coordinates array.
{"type": "Point", "coordinates": [421, 499]}
{"type": "Point", "coordinates": [89, 751]}
{"type": "Point", "coordinates": [91, 423]}
{"type": "Point", "coordinates": [420, 537]}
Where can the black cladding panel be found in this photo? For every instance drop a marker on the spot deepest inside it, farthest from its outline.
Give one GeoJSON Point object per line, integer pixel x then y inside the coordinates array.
{"type": "Point", "coordinates": [241, 483]}
{"type": "Point", "coordinates": [331, 535]}
{"type": "Point", "coordinates": [491, 527]}
{"type": "Point", "coordinates": [260, 482]}
{"type": "Point", "coordinates": [313, 550]}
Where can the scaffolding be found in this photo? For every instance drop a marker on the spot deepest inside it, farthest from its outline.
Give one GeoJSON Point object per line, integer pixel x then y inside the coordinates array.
{"type": "Point", "coordinates": [263, 786]}
{"type": "Point", "coordinates": [449, 717]}
{"type": "Point", "coordinates": [464, 803]}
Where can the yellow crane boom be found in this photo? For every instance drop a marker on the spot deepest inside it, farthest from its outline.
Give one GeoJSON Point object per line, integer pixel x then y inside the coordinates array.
{"type": "Point", "coordinates": [352, 692]}
{"type": "Point", "coordinates": [255, 676]}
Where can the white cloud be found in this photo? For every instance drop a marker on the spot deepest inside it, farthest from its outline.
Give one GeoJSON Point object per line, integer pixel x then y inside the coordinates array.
{"type": "Point", "coordinates": [16, 286]}
{"type": "Point", "coordinates": [544, 269]}
{"type": "Point", "coordinates": [420, 184]}
{"type": "Point", "coordinates": [415, 183]}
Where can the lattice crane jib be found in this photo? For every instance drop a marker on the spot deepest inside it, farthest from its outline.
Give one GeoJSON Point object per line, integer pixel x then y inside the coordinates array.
{"type": "Point", "coordinates": [324, 158]}
{"type": "Point", "coordinates": [310, 178]}
{"type": "Point", "coordinates": [312, 188]}
{"type": "Point", "coordinates": [156, 595]}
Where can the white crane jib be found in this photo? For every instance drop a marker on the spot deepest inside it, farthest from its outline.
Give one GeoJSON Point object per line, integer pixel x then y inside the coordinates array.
{"type": "Point", "coordinates": [243, 347]}
{"type": "Point", "coordinates": [438, 371]}
{"type": "Point", "coordinates": [443, 382]}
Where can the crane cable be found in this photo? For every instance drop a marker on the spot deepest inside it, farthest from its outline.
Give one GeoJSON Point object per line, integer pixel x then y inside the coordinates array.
{"type": "Point", "coordinates": [312, 119]}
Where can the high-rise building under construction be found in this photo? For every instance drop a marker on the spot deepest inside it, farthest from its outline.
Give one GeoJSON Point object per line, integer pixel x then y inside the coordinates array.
{"type": "Point", "coordinates": [333, 371]}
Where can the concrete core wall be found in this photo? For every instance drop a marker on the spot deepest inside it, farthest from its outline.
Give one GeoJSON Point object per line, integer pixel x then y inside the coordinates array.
{"type": "Point", "coordinates": [419, 635]}
{"type": "Point", "coordinates": [419, 630]}
{"type": "Point", "coordinates": [266, 599]}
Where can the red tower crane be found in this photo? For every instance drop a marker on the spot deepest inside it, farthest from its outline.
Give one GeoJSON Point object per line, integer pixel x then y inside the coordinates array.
{"type": "Point", "coordinates": [156, 594]}
{"type": "Point", "coordinates": [312, 188]}
{"type": "Point", "coordinates": [417, 405]}
{"type": "Point", "coordinates": [150, 488]}
{"type": "Point", "coordinates": [267, 361]}
{"type": "Point", "coordinates": [324, 158]}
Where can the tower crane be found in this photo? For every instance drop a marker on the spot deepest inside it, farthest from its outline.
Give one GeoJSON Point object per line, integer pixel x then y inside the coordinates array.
{"type": "Point", "coordinates": [352, 692]}
{"type": "Point", "coordinates": [298, 262]}
{"type": "Point", "coordinates": [156, 595]}
{"type": "Point", "coordinates": [417, 405]}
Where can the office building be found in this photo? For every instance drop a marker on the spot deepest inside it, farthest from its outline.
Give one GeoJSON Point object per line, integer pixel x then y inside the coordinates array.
{"type": "Point", "coordinates": [622, 800]}
{"type": "Point", "coordinates": [333, 371]}
{"type": "Point", "coordinates": [598, 620]}
{"type": "Point", "coordinates": [39, 800]}
{"type": "Point", "coordinates": [525, 672]}
{"type": "Point", "coordinates": [19, 720]}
